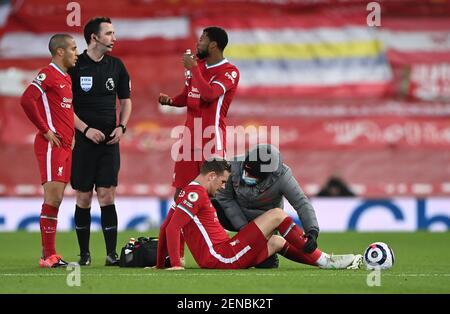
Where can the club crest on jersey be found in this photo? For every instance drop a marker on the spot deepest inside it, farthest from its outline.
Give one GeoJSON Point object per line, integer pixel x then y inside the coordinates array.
{"type": "Point", "coordinates": [110, 84]}
{"type": "Point", "coordinates": [193, 197]}
{"type": "Point", "coordinates": [86, 83]}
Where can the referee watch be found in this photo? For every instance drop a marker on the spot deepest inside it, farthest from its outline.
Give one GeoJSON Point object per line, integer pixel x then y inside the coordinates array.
{"type": "Point", "coordinates": [124, 128]}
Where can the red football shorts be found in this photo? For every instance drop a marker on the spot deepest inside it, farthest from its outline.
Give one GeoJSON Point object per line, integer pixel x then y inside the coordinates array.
{"type": "Point", "coordinates": [186, 170]}
{"type": "Point", "coordinates": [188, 167]}
{"type": "Point", "coordinates": [244, 250]}
{"type": "Point", "coordinates": [55, 163]}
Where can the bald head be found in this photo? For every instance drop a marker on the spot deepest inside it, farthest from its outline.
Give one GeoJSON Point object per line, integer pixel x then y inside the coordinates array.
{"type": "Point", "coordinates": [58, 41]}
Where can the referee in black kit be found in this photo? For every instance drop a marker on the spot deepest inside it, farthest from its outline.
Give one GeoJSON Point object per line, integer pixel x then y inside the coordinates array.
{"type": "Point", "coordinates": [96, 79]}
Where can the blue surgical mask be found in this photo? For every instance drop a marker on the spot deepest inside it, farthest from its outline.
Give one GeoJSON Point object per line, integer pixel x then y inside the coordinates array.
{"type": "Point", "coordinates": [249, 180]}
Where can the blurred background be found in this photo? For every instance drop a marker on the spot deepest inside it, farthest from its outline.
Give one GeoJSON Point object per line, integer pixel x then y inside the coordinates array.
{"type": "Point", "coordinates": [365, 106]}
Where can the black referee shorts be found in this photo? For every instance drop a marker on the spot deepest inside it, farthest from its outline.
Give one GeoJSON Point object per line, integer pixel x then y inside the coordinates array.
{"type": "Point", "coordinates": [94, 164]}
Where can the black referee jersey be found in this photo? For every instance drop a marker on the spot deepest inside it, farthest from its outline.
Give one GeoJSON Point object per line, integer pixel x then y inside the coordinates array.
{"type": "Point", "coordinates": [95, 86]}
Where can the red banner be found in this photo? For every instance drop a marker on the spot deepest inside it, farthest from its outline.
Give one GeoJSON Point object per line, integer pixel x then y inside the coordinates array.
{"type": "Point", "coordinates": [329, 84]}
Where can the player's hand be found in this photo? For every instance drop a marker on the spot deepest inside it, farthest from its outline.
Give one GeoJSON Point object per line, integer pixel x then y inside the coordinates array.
{"type": "Point", "coordinates": [164, 99]}
{"type": "Point", "coordinates": [116, 135]}
{"type": "Point", "coordinates": [176, 268]}
{"type": "Point", "coordinates": [189, 61]}
{"type": "Point", "coordinates": [95, 135]}
{"type": "Point", "coordinates": [311, 241]}
{"type": "Point", "coordinates": [53, 138]}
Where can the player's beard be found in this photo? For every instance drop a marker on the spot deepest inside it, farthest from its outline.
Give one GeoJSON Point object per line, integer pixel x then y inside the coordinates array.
{"type": "Point", "coordinates": [202, 54]}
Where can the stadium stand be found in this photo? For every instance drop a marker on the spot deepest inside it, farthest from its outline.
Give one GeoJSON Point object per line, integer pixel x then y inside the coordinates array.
{"type": "Point", "coordinates": [371, 103]}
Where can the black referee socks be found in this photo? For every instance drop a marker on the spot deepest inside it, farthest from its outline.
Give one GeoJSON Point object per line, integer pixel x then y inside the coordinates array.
{"type": "Point", "coordinates": [109, 226]}
{"type": "Point", "coordinates": [83, 227]}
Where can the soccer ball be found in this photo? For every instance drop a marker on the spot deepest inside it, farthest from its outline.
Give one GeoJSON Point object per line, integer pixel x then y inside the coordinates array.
{"type": "Point", "coordinates": [379, 256]}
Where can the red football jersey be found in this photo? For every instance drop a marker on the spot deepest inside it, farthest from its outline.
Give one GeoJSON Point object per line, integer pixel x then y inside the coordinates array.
{"type": "Point", "coordinates": [55, 104]}
{"type": "Point", "coordinates": [199, 223]}
{"type": "Point", "coordinates": [208, 96]}
{"type": "Point", "coordinates": [225, 75]}
{"type": "Point", "coordinates": [193, 112]}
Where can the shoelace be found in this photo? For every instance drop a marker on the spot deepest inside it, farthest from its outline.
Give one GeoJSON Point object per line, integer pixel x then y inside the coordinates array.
{"type": "Point", "coordinates": [357, 262]}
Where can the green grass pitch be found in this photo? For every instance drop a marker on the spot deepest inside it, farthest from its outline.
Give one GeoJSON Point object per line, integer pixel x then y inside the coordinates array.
{"type": "Point", "coordinates": [422, 266]}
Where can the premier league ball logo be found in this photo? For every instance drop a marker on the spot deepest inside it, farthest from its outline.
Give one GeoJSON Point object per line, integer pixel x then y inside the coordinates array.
{"type": "Point", "coordinates": [110, 84]}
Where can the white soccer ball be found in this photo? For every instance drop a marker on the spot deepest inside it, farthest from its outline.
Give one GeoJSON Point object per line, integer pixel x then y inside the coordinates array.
{"type": "Point", "coordinates": [379, 256]}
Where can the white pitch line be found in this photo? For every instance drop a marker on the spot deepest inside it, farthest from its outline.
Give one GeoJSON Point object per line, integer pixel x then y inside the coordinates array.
{"type": "Point", "coordinates": [186, 274]}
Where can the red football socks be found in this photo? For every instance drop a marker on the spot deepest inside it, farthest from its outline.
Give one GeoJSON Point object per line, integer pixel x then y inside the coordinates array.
{"type": "Point", "coordinates": [292, 233]}
{"type": "Point", "coordinates": [292, 253]}
{"type": "Point", "coordinates": [48, 223]}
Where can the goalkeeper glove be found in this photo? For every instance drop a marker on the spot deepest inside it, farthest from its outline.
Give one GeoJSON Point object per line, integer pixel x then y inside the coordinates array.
{"type": "Point", "coordinates": [311, 242]}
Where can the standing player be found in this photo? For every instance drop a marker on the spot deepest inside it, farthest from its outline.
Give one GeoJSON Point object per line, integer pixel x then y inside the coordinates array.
{"type": "Point", "coordinates": [207, 94]}
{"type": "Point", "coordinates": [211, 246]}
{"type": "Point", "coordinates": [98, 79]}
{"type": "Point", "coordinates": [48, 104]}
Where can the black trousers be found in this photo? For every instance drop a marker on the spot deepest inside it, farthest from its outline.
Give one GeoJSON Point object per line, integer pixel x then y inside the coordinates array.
{"type": "Point", "coordinates": [223, 219]}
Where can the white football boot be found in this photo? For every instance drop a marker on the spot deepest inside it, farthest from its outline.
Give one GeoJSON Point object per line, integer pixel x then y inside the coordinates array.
{"type": "Point", "coordinates": [357, 263]}
{"type": "Point", "coordinates": [345, 261]}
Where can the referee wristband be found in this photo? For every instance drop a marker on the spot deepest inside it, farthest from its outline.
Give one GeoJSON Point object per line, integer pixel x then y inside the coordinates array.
{"type": "Point", "coordinates": [124, 128]}
{"type": "Point", "coordinates": [85, 130]}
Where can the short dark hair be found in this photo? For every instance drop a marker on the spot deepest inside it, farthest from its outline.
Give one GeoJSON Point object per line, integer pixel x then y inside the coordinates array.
{"type": "Point", "coordinates": [93, 27]}
{"type": "Point", "coordinates": [217, 34]}
{"type": "Point", "coordinates": [218, 165]}
{"type": "Point", "coordinates": [58, 41]}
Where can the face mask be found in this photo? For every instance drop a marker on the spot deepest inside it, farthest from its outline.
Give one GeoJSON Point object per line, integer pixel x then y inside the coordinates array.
{"type": "Point", "coordinates": [248, 180]}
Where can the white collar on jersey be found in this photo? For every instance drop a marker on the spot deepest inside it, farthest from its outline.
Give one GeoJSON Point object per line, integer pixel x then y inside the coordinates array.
{"type": "Point", "coordinates": [194, 183]}
{"type": "Point", "coordinates": [217, 64]}
{"type": "Point", "coordinates": [57, 68]}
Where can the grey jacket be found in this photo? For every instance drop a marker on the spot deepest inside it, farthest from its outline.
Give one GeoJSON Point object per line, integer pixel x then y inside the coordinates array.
{"type": "Point", "coordinates": [243, 203]}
